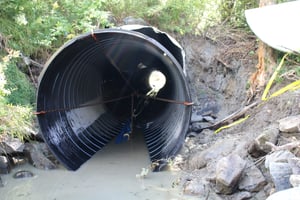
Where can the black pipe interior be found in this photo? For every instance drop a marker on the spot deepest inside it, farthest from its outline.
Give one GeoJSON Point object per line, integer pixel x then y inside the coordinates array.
{"type": "Point", "coordinates": [93, 69]}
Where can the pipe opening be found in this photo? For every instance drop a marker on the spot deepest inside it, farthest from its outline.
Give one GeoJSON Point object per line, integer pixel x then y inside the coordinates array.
{"type": "Point", "coordinates": [97, 82]}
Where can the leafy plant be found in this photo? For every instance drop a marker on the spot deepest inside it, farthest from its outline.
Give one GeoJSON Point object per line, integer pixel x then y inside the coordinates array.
{"type": "Point", "coordinates": [34, 25]}
{"type": "Point", "coordinates": [21, 90]}
{"type": "Point", "coordinates": [15, 120]}
{"type": "Point", "coordinates": [233, 12]}
{"type": "Point", "coordinates": [174, 15]}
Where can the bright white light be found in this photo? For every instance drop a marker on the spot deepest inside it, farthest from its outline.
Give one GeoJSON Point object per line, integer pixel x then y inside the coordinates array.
{"type": "Point", "coordinates": [157, 80]}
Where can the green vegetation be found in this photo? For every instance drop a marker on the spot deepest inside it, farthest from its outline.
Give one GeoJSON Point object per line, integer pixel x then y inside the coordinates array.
{"type": "Point", "coordinates": [16, 121]}
{"type": "Point", "coordinates": [233, 11]}
{"type": "Point", "coordinates": [291, 69]}
{"type": "Point", "coordinates": [37, 26]}
{"type": "Point", "coordinates": [21, 90]}
{"type": "Point", "coordinates": [16, 98]}
{"type": "Point", "coordinates": [33, 26]}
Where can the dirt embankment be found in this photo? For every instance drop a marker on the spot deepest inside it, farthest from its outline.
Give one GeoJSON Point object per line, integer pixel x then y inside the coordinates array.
{"type": "Point", "coordinates": [219, 69]}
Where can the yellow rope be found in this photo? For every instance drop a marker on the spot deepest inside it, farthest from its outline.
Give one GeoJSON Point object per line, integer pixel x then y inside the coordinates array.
{"type": "Point", "coordinates": [274, 75]}
{"type": "Point", "coordinates": [232, 124]}
{"type": "Point", "coordinates": [292, 86]}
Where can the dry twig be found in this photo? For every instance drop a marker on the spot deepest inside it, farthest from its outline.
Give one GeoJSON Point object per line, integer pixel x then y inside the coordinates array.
{"type": "Point", "coordinates": [288, 146]}
{"type": "Point", "coordinates": [234, 116]}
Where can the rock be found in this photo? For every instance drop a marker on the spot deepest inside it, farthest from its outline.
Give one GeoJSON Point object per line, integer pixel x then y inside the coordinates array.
{"type": "Point", "coordinates": [295, 180]}
{"type": "Point", "coordinates": [269, 188]}
{"type": "Point", "coordinates": [290, 124]}
{"type": "Point", "coordinates": [259, 147]}
{"type": "Point", "coordinates": [38, 156]}
{"type": "Point", "coordinates": [209, 119]}
{"type": "Point", "coordinates": [209, 107]}
{"type": "Point", "coordinates": [9, 145]}
{"type": "Point", "coordinates": [218, 150]}
{"type": "Point", "coordinates": [197, 161]}
{"type": "Point", "coordinates": [278, 156]}
{"type": "Point", "coordinates": [18, 160]}
{"type": "Point", "coordinates": [241, 195]}
{"type": "Point", "coordinates": [241, 147]}
{"type": "Point", "coordinates": [295, 165]}
{"type": "Point", "coordinates": [36, 136]}
{"type": "Point", "coordinates": [196, 187]}
{"type": "Point", "coordinates": [5, 166]}
{"type": "Point", "coordinates": [131, 21]}
{"type": "Point", "coordinates": [212, 195]}
{"type": "Point", "coordinates": [192, 134]}
{"type": "Point", "coordinates": [204, 125]}
{"type": "Point", "coordinates": [196, 127]}
{"type": "Point", "coordinates": [259, 195]}
{"type": "Point", "coordinates": [196, 117]}
{"type": "Point", "coordinates": [23, 174]}
{"type": "Point", "coordinates": [228, 172]}
{"type": "Point", "coordinates": [252, 180]}
{"type": "Point", "coordinates": [206, 137]}
{"type": "Point", "coordinates": [289, 194]}
{"type": "Point", "coordinates": [198, 183]}
{"type": "Point", "coordinates": [280, 169]}
{"type": "Point", "coordinates": [199, 188]}
{"type": "Point", "coordinates": [280, 174]}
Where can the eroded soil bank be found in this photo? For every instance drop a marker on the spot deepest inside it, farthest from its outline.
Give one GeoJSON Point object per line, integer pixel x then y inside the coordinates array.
{"type": "Point", "coordinates": [219, 69]}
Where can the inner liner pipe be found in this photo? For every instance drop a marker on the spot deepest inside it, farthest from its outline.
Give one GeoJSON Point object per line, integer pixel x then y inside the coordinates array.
{"type": "Point", "coordinates": [96, 89]}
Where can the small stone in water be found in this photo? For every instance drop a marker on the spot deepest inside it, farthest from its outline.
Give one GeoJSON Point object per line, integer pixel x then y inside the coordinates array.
{"type": "Point", "coordinates": [23, 174]}
{"type": "Point", "coordinates": [4, 165]}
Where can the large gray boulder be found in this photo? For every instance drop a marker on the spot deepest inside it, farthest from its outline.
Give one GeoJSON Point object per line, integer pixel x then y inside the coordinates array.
{"type": "Point", "coordinates": [290, 124]}
{"type": "Point", "coordinates": [228, 173]}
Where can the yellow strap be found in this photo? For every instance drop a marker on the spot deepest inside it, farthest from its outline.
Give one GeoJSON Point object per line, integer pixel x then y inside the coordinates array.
{"type": "Point", "coordinates": [232, 124]}
{"type": "Point", "coordinates": [274, 75]}
{"type": "Point", "coordinates": [292, 86]}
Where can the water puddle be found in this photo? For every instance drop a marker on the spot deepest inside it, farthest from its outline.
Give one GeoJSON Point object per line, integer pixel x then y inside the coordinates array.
{"type": "Point", "coordinates": [110, 174]}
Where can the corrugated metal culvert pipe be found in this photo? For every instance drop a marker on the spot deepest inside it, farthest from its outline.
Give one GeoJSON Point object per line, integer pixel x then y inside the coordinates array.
{"type": "Point", "coordinates": [103, 85]}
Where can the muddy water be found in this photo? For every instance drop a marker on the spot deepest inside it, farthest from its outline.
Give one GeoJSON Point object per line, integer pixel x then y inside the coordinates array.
{"type": "Point", "coordinates": [110, 174]}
